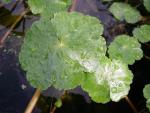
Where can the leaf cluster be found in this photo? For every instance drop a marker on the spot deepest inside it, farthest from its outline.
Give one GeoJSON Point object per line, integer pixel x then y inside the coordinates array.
{"type": "Point", "coordinates": [66, 50]}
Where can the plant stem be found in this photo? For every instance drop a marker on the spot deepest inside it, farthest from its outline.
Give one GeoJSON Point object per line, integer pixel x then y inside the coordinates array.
{"type": "Point", "coordinates": [13, 26]}
{"type": "Point", "coordinates": [147, 57]}
{"type": "Point", "coordinates": [53, 110]}
{"type": "Point", "coordinates": [131, 104]}
{"type": "Point", "coordinates": [33, 101]}
{"type": "Point", "coordinates": [73, 6]}
{"type": "Point", "coordinates": [145, 18]}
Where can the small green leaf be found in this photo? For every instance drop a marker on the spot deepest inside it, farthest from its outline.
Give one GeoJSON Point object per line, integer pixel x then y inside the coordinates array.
{"type": "Point", "coordinates": [125, 48]}
{"type": "Point", "coordinates": [147, 4]}
{"type": "Point", "coordinates": [48, 7]}
{"type": "Point", "coordinates": [58, 103]}
{"type": "Point", "coordinates": [142, 33]}
{"type": "Point", "coordinates": [146, 92]}
{"type": "Point", "coordinates": [124, 11]}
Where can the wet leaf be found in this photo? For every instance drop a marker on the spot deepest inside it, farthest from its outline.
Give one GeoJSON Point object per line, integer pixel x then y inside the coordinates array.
{"type": "Point", "coordinates": [147, 4]}
{"type": "Point", "coordinates": [110, 80]}
{"type": "Point", "coordinates": [146, 92]}
{"type": "Point", "coordinates": [126, 49]}
{"type": "Point", "coordinates": [142, 33]}
{"type": "Point", "coordinates": [124, 11]}
{"type": "Point", "coordinates": [54, 49]}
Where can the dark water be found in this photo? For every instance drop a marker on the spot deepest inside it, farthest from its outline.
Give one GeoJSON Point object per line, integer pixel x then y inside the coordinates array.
{"type": "Point", "coordinates": [15, 91]}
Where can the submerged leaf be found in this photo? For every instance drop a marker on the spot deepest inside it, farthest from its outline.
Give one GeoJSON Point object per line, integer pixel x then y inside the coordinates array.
{"type": "Point", "coordinates": [124, 11]}
{"type": "Point", "coordinates": [146, 92]}
{"type": "Point", "coordinates": [125, 48]}
{"type": "Point", "coordinates": [147, 4]}
{"type": "Point", "coordinates": [54, 49]}
{"type": "Point", "coordinates": [142, 33]}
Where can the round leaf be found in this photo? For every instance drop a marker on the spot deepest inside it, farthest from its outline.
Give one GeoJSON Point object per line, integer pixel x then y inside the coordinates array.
{"type": "Point", "coordinates": [142, 33]}
{"type": "Point", "coordinates": [53, 49]}
{"type": "Point", "coordinates": [125, 48]}
{"type": "Point", "coordinates": [48, 7]}
{"type": "Point", "coordinates": [146, 92]}
{"type": "Point", "coordinates": [124, 11]}
{"type": "Point", "coordinates": [147, 4]}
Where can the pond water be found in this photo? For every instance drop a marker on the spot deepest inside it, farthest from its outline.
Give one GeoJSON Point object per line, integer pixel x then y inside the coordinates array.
{"type": "Point", "coordinates": [15, 91]}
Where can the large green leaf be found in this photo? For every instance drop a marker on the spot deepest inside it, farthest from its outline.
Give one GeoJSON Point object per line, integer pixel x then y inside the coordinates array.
{"type": "Point", "coordinates": [142, 33]}
{"type": "Point", "coordinates": [110, 80]}
{"type": "Point", "coordinates": [125, 48]}
{"type": "Point", "coordinates": [48, 7]}
{"type": "Point", "coordinates": [124, 11]}
{"type": "Point", "coordinates": [146, 92]}
{"type": "Point", "coordinates": [54, 50]}
{"type": "Point", "coordinates": [147, 4]}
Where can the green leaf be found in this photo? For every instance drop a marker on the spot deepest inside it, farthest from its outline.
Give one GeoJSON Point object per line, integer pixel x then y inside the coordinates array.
{"type": "Point", "coordinates": [6, 1]}
{"type": "Point", "coordinates": [48, 7]}
{"type": "Point", "coordinates": [142, 33]}
{"type": "Point", "coordinates": [98, 93]}
{"type": "Point", "coordinates": [58, 103]}
{"type": "Point", "coordinates": [146, 92]}
{"type": "Point", "coordinates": [54, 50]}
{"type": "Point", "coordinates": [147, 4]}
{"type": "Point", "coordinates": [110, 80]}
{"type": "Point", "coordinates": [124, 11]}
{"type": "Point", "coordinates": [125, 48]}
{"type": "Point", "coordinates": [34, 54]}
